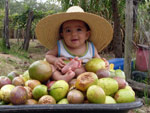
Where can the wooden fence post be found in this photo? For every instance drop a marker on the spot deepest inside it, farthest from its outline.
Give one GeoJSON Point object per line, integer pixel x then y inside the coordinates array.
{"type": "Point", "coordinates": [128, 37]}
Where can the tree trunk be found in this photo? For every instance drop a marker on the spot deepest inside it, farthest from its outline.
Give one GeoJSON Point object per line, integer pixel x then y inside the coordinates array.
{"type": "Point", "coordinates": [6, 27]}
{"type": "Point", "coordinates": [117, 40]}
{"type": "Point", "coordinates": [135, 12]}
{"type": "Point", "coordinates": [128, 37]}
{"type": "Point", "coordinates": [27, 31]}
{"type": "Point", "coordinates": [135, 9]}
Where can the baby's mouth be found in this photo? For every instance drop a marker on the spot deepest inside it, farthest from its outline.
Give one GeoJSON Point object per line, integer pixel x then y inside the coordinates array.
{"type": "Point", "coordinates": [74, 40]}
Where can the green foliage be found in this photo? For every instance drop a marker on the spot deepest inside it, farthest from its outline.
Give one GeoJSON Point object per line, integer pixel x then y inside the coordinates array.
{"type": "Point", "coordinates": [83, 4]}
{"type": "Point", "coordinates": [65, 4]}
{"type": "Point", "coordinates": [99, 7]}
{"type": "Point", "coordinates": [94, 5]}
{"type": "Point", "coordinates": [19, 7]}
{"type": "Point", "coordinates": [2, 46]}
{"type": "Point", "coordinates": [1, 18]}
{"type": "Point", "coordinates": [146, 95]}
{"type": "Point", "coordinates": [2, 2]}
{"type": "Point", "coordinates": [20, 20]}
{"type": "Point", "coordinates": [143, 22]}
{"type": "Point", "coordinates": [121, 9]}
{"type": "Point", "coordinates": [144, 14]}
{"type": "Point", "coordinates": [15, 7]}
{"type": "Point", "coordinates": [18, 12]}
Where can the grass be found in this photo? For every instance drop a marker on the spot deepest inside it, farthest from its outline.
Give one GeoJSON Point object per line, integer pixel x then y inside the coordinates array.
{"type": "Point", "coordinates": [15, 59]}
{"type": "Point", "coordinates": [15, 49]}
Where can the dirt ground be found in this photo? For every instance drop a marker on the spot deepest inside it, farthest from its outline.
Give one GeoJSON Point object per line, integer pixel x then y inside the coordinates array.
{"type": "Point", "coordinates": [143, 109]}
{"type": "Point", "coordinates": [10, 63]}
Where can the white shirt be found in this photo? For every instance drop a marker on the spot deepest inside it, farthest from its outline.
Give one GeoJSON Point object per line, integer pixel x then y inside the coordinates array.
{"type": "Point", "coordinates": [64, 52]}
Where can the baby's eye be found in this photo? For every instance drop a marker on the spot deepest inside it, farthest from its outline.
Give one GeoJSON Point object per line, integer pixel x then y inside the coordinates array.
{"type": "Point", "coordinates": [68, 30]}
{"type": "Point", "coordinates": [79, 29]}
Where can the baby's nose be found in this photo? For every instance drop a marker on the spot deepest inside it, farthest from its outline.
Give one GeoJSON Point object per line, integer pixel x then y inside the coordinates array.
{"type": "Point", "coordinates": [74, 32]}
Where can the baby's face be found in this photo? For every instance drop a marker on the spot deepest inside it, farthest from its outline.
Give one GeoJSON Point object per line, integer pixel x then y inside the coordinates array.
{"type": "Point", "coordinates": [75, 33]}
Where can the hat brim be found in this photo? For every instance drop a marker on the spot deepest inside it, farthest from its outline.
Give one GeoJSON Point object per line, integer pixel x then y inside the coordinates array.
{"type": "Point", "coordinates": [47, 29]}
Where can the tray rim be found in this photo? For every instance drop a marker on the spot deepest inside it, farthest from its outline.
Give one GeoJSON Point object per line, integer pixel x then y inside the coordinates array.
{"type": "Point", "coordinates": [58, 107]}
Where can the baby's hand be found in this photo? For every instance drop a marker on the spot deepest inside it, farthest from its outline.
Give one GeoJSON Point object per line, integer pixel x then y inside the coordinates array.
{"type": "Point", "coordinates": [59, 62]}
{"type": "Point", "coordinates": [106, 63]}
{"type": "Point", "coordinates": [72, 65]}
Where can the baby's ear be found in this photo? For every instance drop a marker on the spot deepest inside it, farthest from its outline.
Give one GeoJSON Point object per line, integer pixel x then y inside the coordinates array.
{"type": "Point", "coordinates": [61, 34]}
{"type": "Point", "coordinates": [88, 33]}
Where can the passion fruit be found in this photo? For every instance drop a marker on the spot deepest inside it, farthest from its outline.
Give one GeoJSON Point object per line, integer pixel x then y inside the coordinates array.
{"type": "Point", "coordinates": [95, 64]}
{"type": "Point", "coordinates": [103, 73]}
{"type": "Point", "coordinates": [5, 92]}
{"type": "Point", "coordinates": [85, 80]}
{"type": "Point", "coordinates": [39, 91]}
{"type": "Point", "coordinates": [59, 89]}
{"type": "Point", "coordinates": [120, 73]}
{"type": "Point", "coordinates": [1, 96]}
{"type": "Point", "coordinates": [130, 88]}
{"type": "Point", "coordinates": [4, 80]}
{"type": "Point", "coordinates": [72, 83]}
{"type": "Point", "coordinates": [47, 99]}
{"type": "Point", "coordinates": [32, 83]}
{"type": "Point", "coordinates": [40, 70]}
{"type": "Point", "coordinates": [63, 101]}
{"type": "Point", "coordinates": [121, 82]}
{"type": "Point", "coordinates": [110, 100]}
{"type": "Point", "coordinates": [31, 102]}
{"type": "Point", "coordinates": [18, 81]}
{"type": "Point", "coordinates": [95, 94]}
{"type": "Point", "coordinates": [75, 97]}
{"type": "Point", "coordinates": [18, 95]}
{"type": "Point", "coordinates": [29, 91]}
{"type": "Point", "coordinates": [12, 75]}
{"type": "Point", "coordinates": [109, 85]}
{"type": "Point", "coordinates": [124, 96]}
{"type": "Point", "coordinates": [26, 76]}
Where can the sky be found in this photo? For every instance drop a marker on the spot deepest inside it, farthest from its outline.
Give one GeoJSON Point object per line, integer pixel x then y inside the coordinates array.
{"type": "Point", "coordinates": [41, 0]}
{"type": "Point", "coordinates": [52, 1]}
{"type": "Point", "coordinates": [37, 0]}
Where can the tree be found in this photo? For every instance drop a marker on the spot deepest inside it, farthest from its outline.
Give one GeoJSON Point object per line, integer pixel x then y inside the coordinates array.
{"type": "Point", "coordinates": [6, 27]}
{"type": "Point", "coordinates": [27, 21]}
{"type": "Point", "coordinates": [117, 39]}
{"type": "Point", "coordinates": [27, 31]}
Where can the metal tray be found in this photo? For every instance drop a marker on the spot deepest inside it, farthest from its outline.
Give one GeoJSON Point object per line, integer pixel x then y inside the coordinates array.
{"type": "Point", "coordinates": [71, 108]}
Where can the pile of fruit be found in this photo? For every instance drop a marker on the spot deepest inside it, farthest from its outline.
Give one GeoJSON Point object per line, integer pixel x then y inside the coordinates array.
{"type": "Point", "coordinates": [97, 85]}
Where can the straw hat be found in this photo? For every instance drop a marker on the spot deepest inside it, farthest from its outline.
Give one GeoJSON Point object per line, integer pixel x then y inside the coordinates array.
{"type": "Point", "coordinates": [47, 30]}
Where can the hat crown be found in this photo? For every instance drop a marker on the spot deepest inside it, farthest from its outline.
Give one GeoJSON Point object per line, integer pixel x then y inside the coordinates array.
{"type": "Point", "coordinates": [74, 9]}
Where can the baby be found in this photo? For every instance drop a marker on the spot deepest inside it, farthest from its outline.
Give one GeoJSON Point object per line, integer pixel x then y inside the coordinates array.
{"type": "Point", "coordinates": [75, 34]}
{"type": "Point", "coordinates": [74, 47]}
